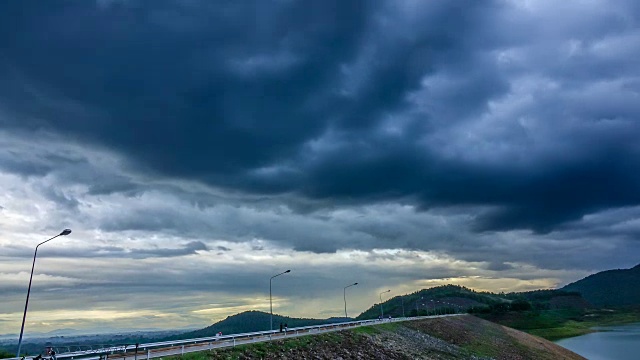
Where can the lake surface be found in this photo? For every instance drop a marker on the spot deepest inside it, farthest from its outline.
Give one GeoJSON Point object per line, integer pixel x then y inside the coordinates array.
{"type": "Point", "coordinates": [611, 343]}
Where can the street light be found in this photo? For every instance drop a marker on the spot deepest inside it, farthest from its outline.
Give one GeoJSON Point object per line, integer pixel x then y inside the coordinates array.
{"type": "Point", "coordinates": [382, 312]}
{"type": "Point", "coordinates": [345, 298]}
{"type": "Point", "coordinates": [270, 300]}
{"type": "Point", "coordinates": [436, 308]}
{"type": "Point", "coordinates": [26, 303]}
{"type": "Point", "coordinates": [402, 299]}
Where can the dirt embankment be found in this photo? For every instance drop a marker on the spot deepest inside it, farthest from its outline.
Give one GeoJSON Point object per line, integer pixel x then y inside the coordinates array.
{"type": "Point", "coordinates": [485, 338]}
{"type": "Point", "coordinates": [459, 337]}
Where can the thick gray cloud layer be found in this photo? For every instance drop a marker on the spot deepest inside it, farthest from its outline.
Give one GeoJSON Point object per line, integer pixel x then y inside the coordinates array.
{"type": "Point", "coordinates": [496, 137]}
{"type": "Point", "coordinates": [445, 103]}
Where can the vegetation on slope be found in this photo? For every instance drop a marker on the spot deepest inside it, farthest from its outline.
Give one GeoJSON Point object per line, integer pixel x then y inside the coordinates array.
{"type": "Point", "coordinates": [454, 299]}
{"type": "Point", "coordinates": [610, 288]}
{"type": "Point", "coordinates": [251, 321]}
{"type": "Point", "coordinates": [562, 323]}
{"type": "Point", "coordinates": [5, 354]}
{"type": "Point", "coordinates": [441, 299]}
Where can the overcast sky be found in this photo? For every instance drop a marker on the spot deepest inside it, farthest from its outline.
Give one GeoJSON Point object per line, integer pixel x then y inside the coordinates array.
{"type": "Point", "coordinates": [198, 147]}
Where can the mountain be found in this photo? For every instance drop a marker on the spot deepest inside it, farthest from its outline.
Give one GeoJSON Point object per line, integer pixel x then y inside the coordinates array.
{"type": "Point", "coordinates": [446, 298]}
{"type": "Point", "coordinates": [610, 288]}
{"type": "Point", "coordinates": [251, 321]}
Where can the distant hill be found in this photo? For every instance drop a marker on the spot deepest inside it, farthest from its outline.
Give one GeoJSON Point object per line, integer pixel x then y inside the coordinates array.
{"type": "Point", "coordinates": [252, 321]}
{"type": "Point", "coordinates": [454, 298]}
{"type": "Point", "coordinates": [610, 288]}
{"type": "Point", "coordinates": [552, 299]}
{"type": "Point", "coordinates": [440, 298]}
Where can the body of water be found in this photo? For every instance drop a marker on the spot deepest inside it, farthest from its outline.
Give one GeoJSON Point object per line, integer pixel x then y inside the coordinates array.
{"type": "Point", "coordinates": [610, 343]}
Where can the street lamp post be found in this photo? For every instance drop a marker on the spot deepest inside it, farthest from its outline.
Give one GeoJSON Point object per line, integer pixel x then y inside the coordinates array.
{"type": "Point", "coordinates": [402, 300]}
{"type": "Point", "coordinates": [345, 298]}
{"type": "Point", "coordinates": [26, 303]}
{"type": "Point", "coordinates": [382, 312]}
{"type": "Point", "coordinates": [270, 299]}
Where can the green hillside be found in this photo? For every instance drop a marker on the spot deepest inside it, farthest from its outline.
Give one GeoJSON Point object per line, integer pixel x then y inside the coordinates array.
{"type": "Point", "coordinates": [5, 354]}
{"type": "Point", "coordinates": [441, 299]}
{"type": "Point", "coordinates": [454, 299]}
{"type": "Point", "coordinates": [547, 300]}
{"type": "Point", "coordinates": [610, 288]}
{"type": "Point", "coordinates": [252, 321]}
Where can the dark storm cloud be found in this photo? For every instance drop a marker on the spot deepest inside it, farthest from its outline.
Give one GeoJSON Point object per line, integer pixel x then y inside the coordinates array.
{"type": "Point", "coordinates": [338, 101]}
{"type": "Point", "coordinates": [17, 166]}
{"type": "Point", "coordinates": [161, 75]}
{"type": "Point", "coordinates": [60, 198]}
{"type": "Point", "coordinates": [188, 249]}
{"type": "Point", "coordinates": [185, 249]}
{"type": "Point", "coordinates": [497, 266]}
{"type": "Point", "coordinates": [115, 184]}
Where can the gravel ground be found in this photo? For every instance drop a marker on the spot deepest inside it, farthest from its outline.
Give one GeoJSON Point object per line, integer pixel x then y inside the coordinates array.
{"type": "Point", "coordinates": [419, 345]}
{"type": "Point", "coordinates": [344, 345]}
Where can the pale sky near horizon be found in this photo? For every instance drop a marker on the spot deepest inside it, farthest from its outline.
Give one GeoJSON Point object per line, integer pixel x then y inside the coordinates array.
{"type": "Point", "coordinates": [198, 147]}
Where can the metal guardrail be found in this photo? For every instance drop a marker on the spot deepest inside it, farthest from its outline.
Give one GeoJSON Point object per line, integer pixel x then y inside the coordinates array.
{"type": "Point", "coordinates": [179, 347]}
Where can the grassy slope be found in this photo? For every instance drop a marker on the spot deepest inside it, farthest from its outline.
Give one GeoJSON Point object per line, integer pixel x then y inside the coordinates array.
{"type": "Point", "coordinates": [485, 338]}
{"type": "Point", "coordinates": [563, 323]}
{"type": "Point", "coordinates": [460, 337]}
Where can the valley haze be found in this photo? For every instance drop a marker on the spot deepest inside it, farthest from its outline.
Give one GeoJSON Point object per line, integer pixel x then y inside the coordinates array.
{"type": "Point", "coordinates": [197, 148]}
